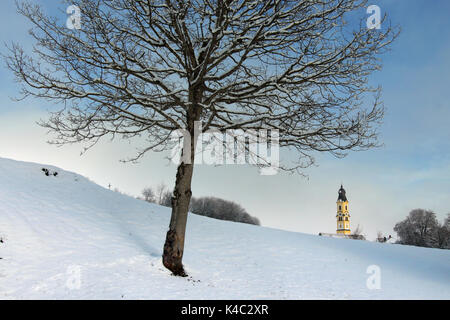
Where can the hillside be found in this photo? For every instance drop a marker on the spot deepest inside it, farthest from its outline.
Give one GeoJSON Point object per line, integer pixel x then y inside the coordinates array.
{"type": "Point", "coordinates": [53, 227]}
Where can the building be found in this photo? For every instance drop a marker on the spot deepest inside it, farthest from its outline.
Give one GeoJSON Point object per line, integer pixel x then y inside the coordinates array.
{"type": "Point", "coordinates": [342, 216]}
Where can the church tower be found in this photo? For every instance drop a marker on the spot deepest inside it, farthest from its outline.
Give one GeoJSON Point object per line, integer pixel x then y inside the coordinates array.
{"type": "Point", "coordinates": [342, 216]}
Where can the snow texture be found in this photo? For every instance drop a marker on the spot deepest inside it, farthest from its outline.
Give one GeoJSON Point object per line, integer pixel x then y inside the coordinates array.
{"type": "Point", "coordinates": [64, 237]}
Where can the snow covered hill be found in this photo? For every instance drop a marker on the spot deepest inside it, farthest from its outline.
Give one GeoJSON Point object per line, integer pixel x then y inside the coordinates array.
{"type": "Point", "coordinates": [65, 237]}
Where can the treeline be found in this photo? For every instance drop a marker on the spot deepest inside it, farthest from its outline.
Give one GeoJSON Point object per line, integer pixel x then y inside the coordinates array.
{"type": "Point", "coordinates": [421, 228]}
{"type": "Point", "coordinates": [205, 206]}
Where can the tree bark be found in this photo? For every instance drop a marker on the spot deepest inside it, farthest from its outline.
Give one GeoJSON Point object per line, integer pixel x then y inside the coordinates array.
{"type": "Point", "coordinates": [174, 245]}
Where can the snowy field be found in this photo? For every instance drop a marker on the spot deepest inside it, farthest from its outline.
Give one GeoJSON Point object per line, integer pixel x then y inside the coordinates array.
{"type": "Point", "coordinates": [65, 237]}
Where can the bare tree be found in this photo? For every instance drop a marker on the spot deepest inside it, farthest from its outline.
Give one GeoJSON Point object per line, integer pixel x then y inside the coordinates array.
{"type": "Point", "coordinates": [160, 192]}
{"type": "Point", "coordinates": [442, 237]}
{"type": "Point", "coordinates": [446, 232]}
{"type": "Point", "coordinates": [149, 195]}
{"type": "Point", "coordinates": [357, 233]}
{"type": "Point", "coordinates": [140, 68]}
{"type": "Point", "coordinates": [379, 236]}
{"type": "Point", "coordinates": [358, 230]}
{"type": "Point", "coordinates": [166, 199]}
{"type": "Point", "coordinates": [382, 238]}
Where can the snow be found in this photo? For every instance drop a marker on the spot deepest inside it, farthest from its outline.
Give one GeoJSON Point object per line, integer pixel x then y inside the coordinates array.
{"type": "Point", "coordinates": [65, 237]}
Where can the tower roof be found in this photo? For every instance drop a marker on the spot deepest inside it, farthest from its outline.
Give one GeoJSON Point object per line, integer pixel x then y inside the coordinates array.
{"type": "Point", "coordinates": [341, 194]}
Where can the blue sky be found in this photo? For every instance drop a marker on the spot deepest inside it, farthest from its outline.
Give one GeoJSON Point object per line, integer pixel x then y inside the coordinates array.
{"type": "Point", "coordinates": [411, 170]}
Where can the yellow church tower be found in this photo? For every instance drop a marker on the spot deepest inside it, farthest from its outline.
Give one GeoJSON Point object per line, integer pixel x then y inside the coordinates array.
{"type": "Point", "coordinates": [342, 216]}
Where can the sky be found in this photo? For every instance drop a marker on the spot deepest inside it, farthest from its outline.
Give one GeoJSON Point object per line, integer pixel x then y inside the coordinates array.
{"type": "Point", "coordinates": [411, 170]}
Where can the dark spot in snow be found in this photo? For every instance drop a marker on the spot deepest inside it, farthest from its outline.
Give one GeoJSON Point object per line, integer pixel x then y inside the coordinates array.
{"type": "Point", "coordinates": [48, 172]}
{"type": "Point", "coordinates": [192, 279]}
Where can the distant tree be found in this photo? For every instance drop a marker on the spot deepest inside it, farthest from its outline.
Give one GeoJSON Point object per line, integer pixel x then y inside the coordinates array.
{"type": "Point", "coordinates": [357, 233]}
{"type": "Point", "coordinates": [221, 209]}
{"type": "Point", "coordinates": [358, 230]}
{"type": "Point", "coordinates": [149, 195]}
{"type": "Point", "coordinates": [160, 192]}
{"type": "Point", "coordinates": [212, 207]}
{"type": "Point", "coordinates": [379, 236]}
{"type": "Point", "coordinates": [161, 196]}
{"type": "Point", "coordinates": [442, 238]}
{"type": "Point", "coordinates": [382, 238]}
{"type": "Point", "coordinates": [420, 228]}
{"type": "Point", "coordinates": [166, 199]}
{"type": "Point", "coordinates": [447, 232]}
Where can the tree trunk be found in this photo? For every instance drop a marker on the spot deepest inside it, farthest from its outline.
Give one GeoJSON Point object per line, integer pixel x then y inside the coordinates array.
{"type": "Point", "coordinates": [174, 245]}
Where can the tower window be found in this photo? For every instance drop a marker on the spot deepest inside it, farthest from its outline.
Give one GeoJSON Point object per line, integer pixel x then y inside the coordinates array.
{"type": "Point", "coordinates": [345, 207]}
{"type": "Point", "coordinates": [340, 207]}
